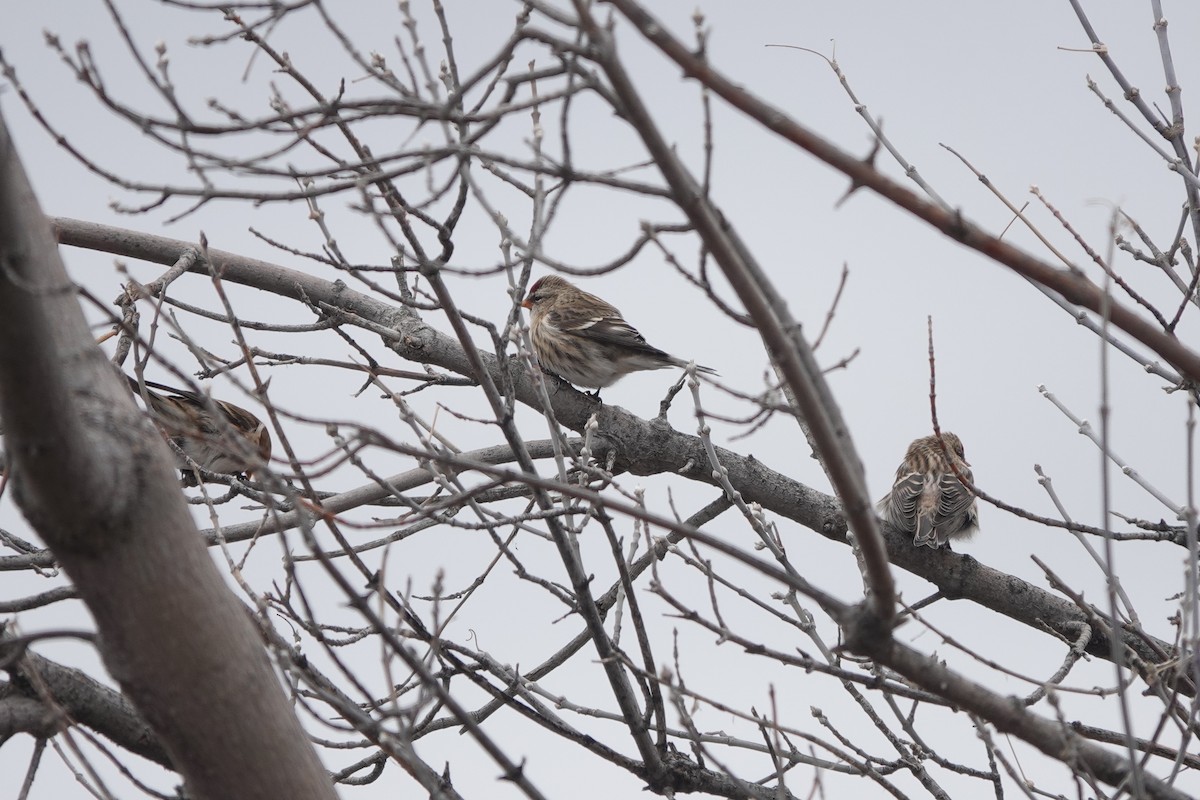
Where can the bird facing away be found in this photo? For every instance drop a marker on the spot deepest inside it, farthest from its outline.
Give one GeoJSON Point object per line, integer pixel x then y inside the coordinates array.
{"type": "Point", "coordinates": [238, 443]}
{"type": "Point", "coordinates": [585, 340]}
{"type": "Point", "coordinates": [927, 500]}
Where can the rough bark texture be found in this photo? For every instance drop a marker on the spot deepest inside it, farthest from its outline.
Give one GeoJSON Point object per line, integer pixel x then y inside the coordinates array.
{"type": "Point", "coordinates": [97, 483]}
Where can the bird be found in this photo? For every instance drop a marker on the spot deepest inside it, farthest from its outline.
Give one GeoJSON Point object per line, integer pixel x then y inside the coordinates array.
{"type": "Point", "coordinates": [927, 499]}
{"type": "Point", "coordinates": [237, 443]}
{"type": "Point", "coordinates": [585, 340]}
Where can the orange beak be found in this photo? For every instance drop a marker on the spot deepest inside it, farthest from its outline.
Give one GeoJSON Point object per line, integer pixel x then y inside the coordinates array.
{"type": "Point", "coordinates": [526, 303]}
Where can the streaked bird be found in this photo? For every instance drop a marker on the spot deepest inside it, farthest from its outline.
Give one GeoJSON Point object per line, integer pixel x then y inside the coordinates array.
{"type": "Point", "coordinates": [585, 340]}
{"type": "Point", "coordinates": [926, 499]}
{"type": "Point", "coordinates": [236, 443]}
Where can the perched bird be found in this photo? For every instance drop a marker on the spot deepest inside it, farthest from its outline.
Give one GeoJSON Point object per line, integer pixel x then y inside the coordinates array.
{"type": "Point", "coordinates": [927, 500]}
{"type": "Point", "coordinates": [186, 420]}
{"type": "Point", "coordinates": [585, 340]}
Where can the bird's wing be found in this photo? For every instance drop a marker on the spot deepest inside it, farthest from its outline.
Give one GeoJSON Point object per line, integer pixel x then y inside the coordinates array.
{"type": "Point", "coordinates": [167, 409]}
{"type": "Point", "coordinates": [607, 329]}
{"type": "Point", "coordinates": [236, 415]}
{"type": "Point", "coordinates": [955, 498]}
{"type": "Point", "coordinates": [174, 395]}
{"type": "Point", "coordinates": [900, 505]}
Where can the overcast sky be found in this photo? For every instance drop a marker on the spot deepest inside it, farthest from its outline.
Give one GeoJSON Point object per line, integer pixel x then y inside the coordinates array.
{"type": "Point", "coordinates": [1004, 84]}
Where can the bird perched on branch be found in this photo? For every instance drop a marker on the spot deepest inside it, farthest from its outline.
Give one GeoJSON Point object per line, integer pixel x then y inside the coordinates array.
{"type": "Point", "coordinates": [235, 443]}
{"type": "Point", "coordinates": [585, 340]}
{"type": "Point", "coordinates": [927, 499]}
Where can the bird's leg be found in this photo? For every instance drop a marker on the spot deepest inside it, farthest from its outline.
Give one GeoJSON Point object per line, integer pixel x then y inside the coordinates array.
{"type": "Point", "coordinates": [595, 395]}
{"type": "Point", "coordinates": [557, 377]}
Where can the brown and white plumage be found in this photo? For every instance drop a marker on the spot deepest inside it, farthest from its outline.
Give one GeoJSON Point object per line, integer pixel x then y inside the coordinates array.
{"type": "Point", "coordinates": [584, 339]}
{"type": "Point", "coordinates": [236, 443]}
{"type": "Point", "coordinates": [926, 499]}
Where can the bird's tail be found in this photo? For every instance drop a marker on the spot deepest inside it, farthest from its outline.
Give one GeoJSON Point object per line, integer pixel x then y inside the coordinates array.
{"type": "Point", "coordinates": [926, 534]}
{"type": "Point", "coordinates": [152, 398]}
{"type": "Point", "coordinates": [136, 386]}
{"type": "Point", "coordinates": [679, 362]}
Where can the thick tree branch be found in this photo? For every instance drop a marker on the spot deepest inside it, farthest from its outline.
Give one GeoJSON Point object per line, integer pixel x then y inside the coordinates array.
{"type": "Point", "coordinates": [781, 334]}
{"type": "Point", "coordinates": [1007, 713]}
{"type": "Point", "coordinates": [643, 447]}
{"type": "Point", "coordinates": [1071, 284]}
{"type": "Point", "coordinates": [97, 482]}
{"type": "Point", "coordinates": [89, 702]}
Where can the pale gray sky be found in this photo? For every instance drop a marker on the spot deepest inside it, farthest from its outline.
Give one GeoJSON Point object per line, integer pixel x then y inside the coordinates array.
{"type": "Point", "coordinates": [1001, 83]}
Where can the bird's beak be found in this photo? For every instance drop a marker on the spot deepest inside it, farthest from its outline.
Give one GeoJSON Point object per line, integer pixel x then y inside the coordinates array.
{"type": "Point", "coordinates": [526, 303]}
